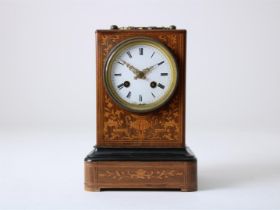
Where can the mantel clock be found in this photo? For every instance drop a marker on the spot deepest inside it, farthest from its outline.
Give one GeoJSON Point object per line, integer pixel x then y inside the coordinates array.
{"type": "Point", "coordinates": [140, 144]}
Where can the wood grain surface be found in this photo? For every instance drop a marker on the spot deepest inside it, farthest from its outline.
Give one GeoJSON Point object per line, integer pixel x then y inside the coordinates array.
{"type": "Point", "coordinates": [180, 175]}
{"type": "Point", "coordinates": [163, 128]}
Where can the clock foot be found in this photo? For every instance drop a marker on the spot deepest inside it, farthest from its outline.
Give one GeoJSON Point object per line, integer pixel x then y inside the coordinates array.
{"type": "Point", "coordinates": [92, 189]}
{"type": "Point", "coordinates": [188, 189]}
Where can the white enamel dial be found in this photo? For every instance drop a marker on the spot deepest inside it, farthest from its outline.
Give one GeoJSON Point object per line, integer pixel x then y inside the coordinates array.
{"type": "Point", "coordinates": [141, 75]}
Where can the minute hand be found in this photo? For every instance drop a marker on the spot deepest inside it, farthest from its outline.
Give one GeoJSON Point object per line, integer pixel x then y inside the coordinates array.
{"type": "Point", "coordinates": [146, 70]}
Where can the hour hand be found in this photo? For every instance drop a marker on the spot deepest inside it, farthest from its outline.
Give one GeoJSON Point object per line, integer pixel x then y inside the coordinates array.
{"type": "Point", "coordinates": [130, 67]}
{"type": "Point", "coordinates": [137, 72]}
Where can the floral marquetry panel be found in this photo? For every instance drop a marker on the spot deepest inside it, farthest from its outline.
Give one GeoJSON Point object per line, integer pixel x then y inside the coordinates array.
{"type": "Point", "coordinates": [164, 127]}
{"type": "Point", "coordinates": [140, 174]}
{"type": "Point", "coordinates": [131, 174]}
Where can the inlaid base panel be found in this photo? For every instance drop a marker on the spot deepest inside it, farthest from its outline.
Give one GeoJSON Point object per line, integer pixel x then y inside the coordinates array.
{"type": "Point", "coordinates": [181, 175]}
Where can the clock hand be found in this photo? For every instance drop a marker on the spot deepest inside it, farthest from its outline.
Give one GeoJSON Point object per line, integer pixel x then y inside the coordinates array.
{"type": "Point", "coordinates": [137, 72]}
{"type": "Point", "coordinates": [146, 70]}
{"type": "Point", "coordinates": [130, 67]}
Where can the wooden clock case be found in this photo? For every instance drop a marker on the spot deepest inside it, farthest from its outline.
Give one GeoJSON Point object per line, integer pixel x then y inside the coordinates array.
{"type": "Point", "coordinates": [141, 151]}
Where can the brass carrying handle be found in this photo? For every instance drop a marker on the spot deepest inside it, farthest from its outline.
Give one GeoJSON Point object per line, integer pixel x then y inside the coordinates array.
{"type": "Point", "coordinates": [115, 27]}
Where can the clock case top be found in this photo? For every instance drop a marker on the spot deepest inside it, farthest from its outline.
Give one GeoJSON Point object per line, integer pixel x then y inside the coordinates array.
{"type": "Point", "coordinates": [162, 128]}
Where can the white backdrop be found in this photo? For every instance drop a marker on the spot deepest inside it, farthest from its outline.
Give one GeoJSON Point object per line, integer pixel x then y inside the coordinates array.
{"type": "Point", "coordinates": [47, 100]}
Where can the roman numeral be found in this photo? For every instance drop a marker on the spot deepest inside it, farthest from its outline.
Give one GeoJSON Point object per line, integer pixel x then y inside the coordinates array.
{"type": "Point", "coordinates": [118, 74]}
{"type": "Point", "coordinates": [160, 63]}
{"type": "Point", "coordinates": [120, 63]}
{"type": "Point", "coordinates": [129, 54]}
{"type": "Point", "coordinates": [120, 86]}
{"type": "Point", "coordinates": [140, 97]}
{"type": "Point", "coordinates": [128, 95]}
{"type": "Point", "coordinates": [163, 74]}
{"type": "Point", "coordinates": [152, 54]}
{"type": "Point", "coordinates": [161, 86]}
{"type": "Point", "coordinates": [141, 51]}
{"type": "Point", "coordinates": [153, 95]}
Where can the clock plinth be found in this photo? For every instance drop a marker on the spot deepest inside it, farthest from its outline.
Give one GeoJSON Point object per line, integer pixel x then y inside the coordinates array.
{"type": "Point", "coordinates": [140, 169]}
{"type": "Point", "coordinates": [141, 112]}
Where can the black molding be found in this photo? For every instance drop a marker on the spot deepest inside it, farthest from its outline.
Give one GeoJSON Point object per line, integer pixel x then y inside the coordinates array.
{"type": "Point", "coordinates": [139, 154]}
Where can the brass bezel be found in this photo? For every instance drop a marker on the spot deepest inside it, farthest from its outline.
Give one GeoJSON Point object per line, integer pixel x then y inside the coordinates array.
{"type": "Point", "coordinates": [117, 50]}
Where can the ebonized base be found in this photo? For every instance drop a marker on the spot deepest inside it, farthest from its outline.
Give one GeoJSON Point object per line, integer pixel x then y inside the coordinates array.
{"type": "Point", "coordinates": [140, 169]}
